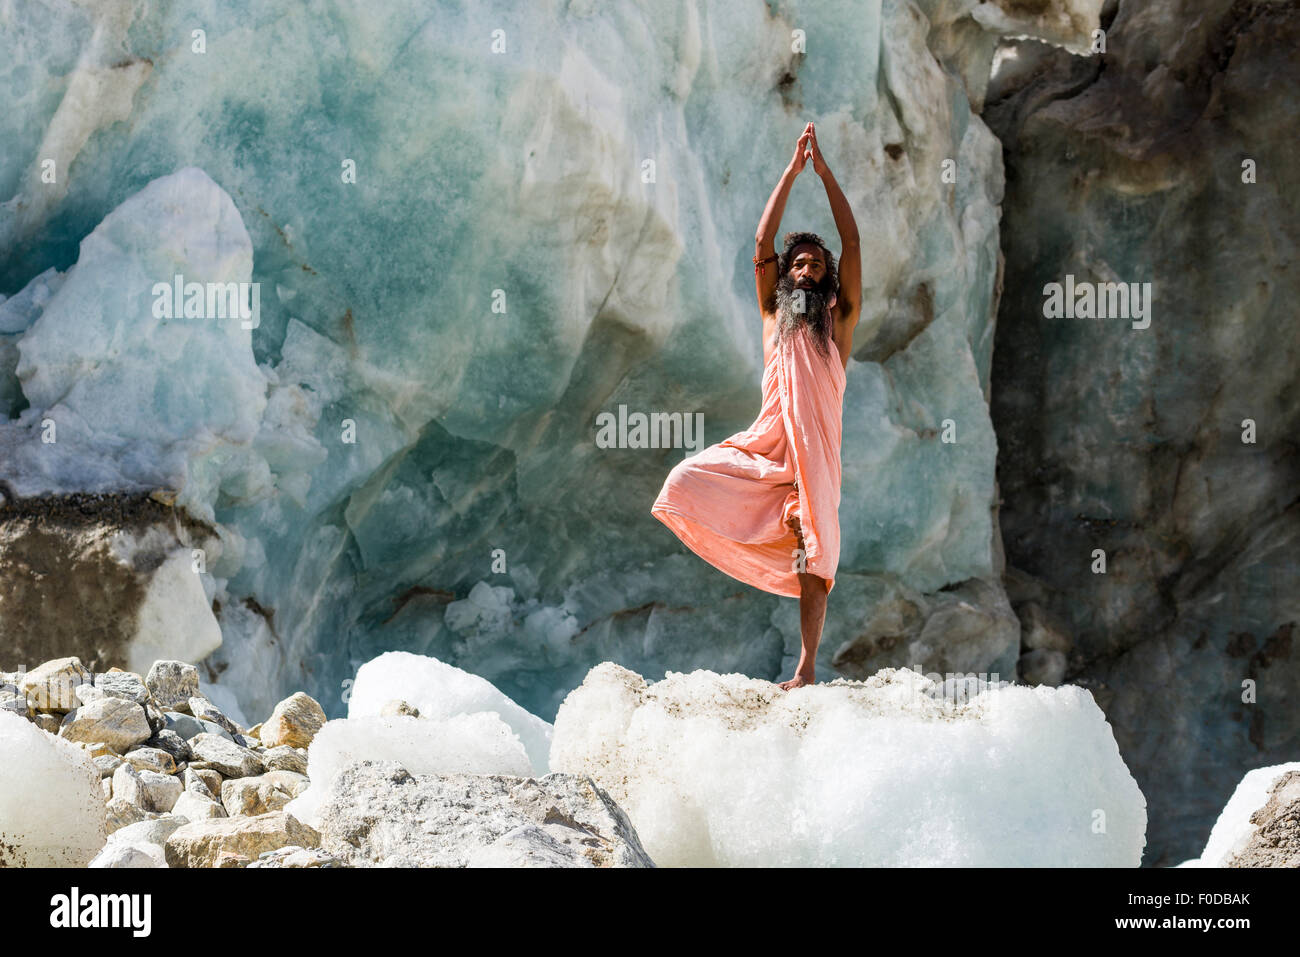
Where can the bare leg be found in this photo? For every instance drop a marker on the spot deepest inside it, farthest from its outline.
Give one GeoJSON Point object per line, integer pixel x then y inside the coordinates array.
{"type": "Point", "coordinates": [812, 615]}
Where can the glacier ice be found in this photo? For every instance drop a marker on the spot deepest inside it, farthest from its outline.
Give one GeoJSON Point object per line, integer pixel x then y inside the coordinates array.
{"type": "Point", "coordinates": [413, 416]}
{"type": "Point", "coordinates": [724, 770]}
{"type": "Point", "coordinates": [51, 804]}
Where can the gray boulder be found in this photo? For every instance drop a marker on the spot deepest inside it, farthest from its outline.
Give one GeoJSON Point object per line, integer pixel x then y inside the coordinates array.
{"type": "Point", "coordinates": [376, 813]}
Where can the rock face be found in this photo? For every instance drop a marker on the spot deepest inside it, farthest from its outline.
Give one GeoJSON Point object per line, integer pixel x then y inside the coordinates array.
{"type": "Point", "coordinates": [377, 814]}
{"type": "Point", "coordinates": [1166, 160]}
{"type": "Point", "coordinates": [117, 587]}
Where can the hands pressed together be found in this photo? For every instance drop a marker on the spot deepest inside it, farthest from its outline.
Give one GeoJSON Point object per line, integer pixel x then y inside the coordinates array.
{"type": "Point", "coordinates": [807, 149]}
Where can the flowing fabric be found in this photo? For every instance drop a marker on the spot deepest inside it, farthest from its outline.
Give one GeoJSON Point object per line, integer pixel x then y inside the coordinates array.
{"type": "Point", "coordinates": [730, 502]}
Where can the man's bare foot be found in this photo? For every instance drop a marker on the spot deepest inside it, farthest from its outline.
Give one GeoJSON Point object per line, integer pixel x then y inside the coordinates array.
{"type": "Point", "coordinates": [798, 681]}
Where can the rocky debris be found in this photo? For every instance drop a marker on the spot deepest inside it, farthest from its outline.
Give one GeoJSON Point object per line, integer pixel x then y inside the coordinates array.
{"type": "Point", "coordinates": [129, 855]}
{"type": "Point", "coordinates": [151, 760]}
{"type": "Point", "coordinates": [236, 841]}
{"type": "Point", "coordinates": [120, 813]}
{"type": "Point", "coordinates": [183, 785]}
{"type": "Point", "coordinates": [116, 722]}
{"type": "Point", "coordinates": [209, 778]}
{"type": "Point", "coordinates": [172, 743]}
{"type": "Point", "coordinates": [173, 683]}
{"type": "Point", "coordinates": [291, 856]}
{"type": "Point", "coordinates": [258, 795]}
{"type": "Point", "coordinates": [193, 806]}
{"type": "Point", "coordinates": [140, 844]}
{"type": "Point", "coordinates": [294, 722]}
{"type": "Point", "coordinates": [125, 684]}
{"type": "Point", "coordinates": [378, 814]}
{"type": "Point", "coordinates": [1276, 841]}
{"type": "Point", "coordinates": [204, 710]}
{"type": "Point", "coordinates": [51, 686]}
{"type": "Point", "coordinates": [232, 760]}
{"type": "Point", "coordinates": [284, 758]}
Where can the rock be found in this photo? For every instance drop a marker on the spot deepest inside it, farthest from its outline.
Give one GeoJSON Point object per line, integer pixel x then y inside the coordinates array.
{"type": "Point", "coordinates": [194, 807]}
{"type": "Point", "coordinates": [128, 786]}
{"type": "Point", "coordinates": [148, 790]}
{"type": "Point", "coordinates": [120, 812]}
{"type": "Point", "coordinates": [46, 722]}
{"type": "Point", "coordinates": [173, 683]}
{"type": "Point", "coordinates": [51, 686]}
{"type": "Point", "coordinates": [15, 703]}
{"type": "Point", "coordinates": [153, 831]}
{"type": "Point", "coordinates": [1042, 666]}
{"type": "Point", "coordinates": [172, 743]}
{"type": "Point", "coordinates": [116, 722]}
{"type": "Point", "coordinates": [106, 785]}
{"type": "Point", "coordinates": [183, 725]}
{"type": "Point", "coordinates": [231, 859]}
{"type": "Point", "coordinates": [161, 790]}
{"type": "Point", "coordinates": [129, 855]}
{"type": "Point", "coordinates": [211, 778]}
{"type": "Point", "coordinates": [87, 693]}
{"type": "Point", "coordinates": [294, 722]}
{"type": "Point", "coordinates": [1041, 629]}
{"type": "Point", "coordinates": [292, 856]}
{"type": "Point", "coordinates": [256, 795]}
{"type": "Point", "coordinates": [398, 706]}
{"type": "Point", "coordinates": [377, 814]}
{"type": "Point", "coordinates": [152, 759]}
{"type": "Point", "coordinates": [529, 845]}
{"type": "Point", "coordinates": [154, 715]}
{"type": "Point", "coordinates": [107, 764]}
{"type": "Point", "coordinates": [210, 843]}
{"type": "Point", "coordinates": [291, 781]}
{"type": "Point", "coordinates": [205, 710]}
{"type": "Point", "coordinates": [255, 730]}
{"type": "Point", "coordinates": [284, 758]}
{"type": "Point", "coordinates": [124, 684]}
{"type": "Point", "coordinates": [232, 760]}
{"type": "Point", "coordinates": [190, 778]}
{"type": "Point", "coordinates": [1276, 840]}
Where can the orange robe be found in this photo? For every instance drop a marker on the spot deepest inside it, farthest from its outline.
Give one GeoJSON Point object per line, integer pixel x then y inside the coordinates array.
{"type": "Point", "coordinates": [730, 502]}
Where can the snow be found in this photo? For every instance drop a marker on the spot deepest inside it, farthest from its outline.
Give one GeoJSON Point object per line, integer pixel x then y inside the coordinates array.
{"type": "Point", "coordinates": [724, 770]}
{"type": "Point", "coordinates": [439, 690]}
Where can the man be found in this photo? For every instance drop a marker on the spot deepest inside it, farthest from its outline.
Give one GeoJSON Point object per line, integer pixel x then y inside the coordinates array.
{"type": "Point", "coordinates": [763, 505]}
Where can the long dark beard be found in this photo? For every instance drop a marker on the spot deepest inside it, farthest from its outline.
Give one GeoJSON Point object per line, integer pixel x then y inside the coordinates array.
{"type": "Point", "coordinates": [808, 310]}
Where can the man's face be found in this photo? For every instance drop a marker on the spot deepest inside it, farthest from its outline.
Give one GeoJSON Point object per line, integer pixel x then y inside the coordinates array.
{"type": "Point", "coordinates": [808, 268]}
{"type": "Point", "coordinates": [802, 294]}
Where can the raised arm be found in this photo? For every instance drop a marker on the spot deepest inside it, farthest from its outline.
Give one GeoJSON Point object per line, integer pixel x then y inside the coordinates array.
{"type": "Point", "coordinates": [850, 294]}
{"type": "Point", "coordinates": [765, 239]}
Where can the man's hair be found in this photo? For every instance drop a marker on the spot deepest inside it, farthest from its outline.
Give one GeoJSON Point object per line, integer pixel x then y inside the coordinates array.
{"type": "Point", "coordinates": [787, 257]}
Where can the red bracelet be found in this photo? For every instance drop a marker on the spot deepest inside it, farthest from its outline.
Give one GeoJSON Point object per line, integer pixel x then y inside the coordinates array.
{"type": "Point", "coordinates": [760, 264]}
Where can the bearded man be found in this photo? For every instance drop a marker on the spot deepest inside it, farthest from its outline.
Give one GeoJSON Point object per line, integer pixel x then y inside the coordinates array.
{"type": "Point", "coordinates": [763, 505]}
